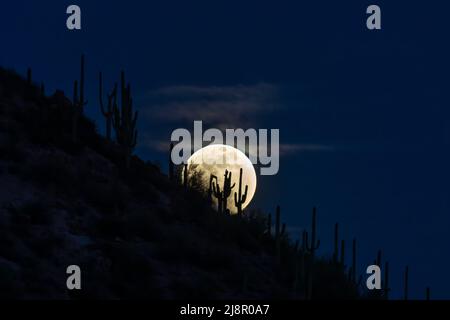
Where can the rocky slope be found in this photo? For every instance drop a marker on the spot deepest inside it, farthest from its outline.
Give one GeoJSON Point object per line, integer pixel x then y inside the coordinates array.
{"type": "Point", "coordinates": [134, 233]}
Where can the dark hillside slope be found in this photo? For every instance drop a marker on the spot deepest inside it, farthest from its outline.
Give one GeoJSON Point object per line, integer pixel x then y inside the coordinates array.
{"type": "Point", "coordinates": [134, 233]}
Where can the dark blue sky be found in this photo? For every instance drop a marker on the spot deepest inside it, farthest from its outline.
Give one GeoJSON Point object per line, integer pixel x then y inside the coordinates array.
{"type": "Point", "coordinates": [363, 115]}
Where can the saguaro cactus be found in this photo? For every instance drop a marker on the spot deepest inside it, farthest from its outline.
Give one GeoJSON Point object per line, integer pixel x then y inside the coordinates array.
{"type": "Point", "coordinates": [239, 198]}
{"type": "Point", "coordinates": [124, 121]}
{"type": "Point", "coordinates": [427, 294]}
{"type": "Point", "coordinates": [311, 248]}
{"type": "Point", "coordinates": [78, 101]}
{"type": "Point", "coordinates": [222, 195]}
{"type": "Point", "coordinates": [386, 288]}
{"type": "Point", "coordinates": [109, 110]}
{"type": "Point", "coordinates": [269, 225]}
{"type": "Point", "coordinates": [227, 187]}
{"type": "Point", "coordinates": [172, 167]}
{"type": "Point", "coordinates": [352, 271]}
{"type": "Point", "coordinates": [405, 284]}
{"type": "Point", "coordinates": [277, 231]}
{"type": "Point", "coordinates": [313, 245]}
{"type": "Point", "coordinates": [218, 194]}
{"type": "Point", "coordinates": [185, 177]}
{"type": "Point", "coordinates": [336, 243]}
{"type": "Point", "coordinates": [342, 259]}
{"type": "Point", "coordinates": [299, 263]}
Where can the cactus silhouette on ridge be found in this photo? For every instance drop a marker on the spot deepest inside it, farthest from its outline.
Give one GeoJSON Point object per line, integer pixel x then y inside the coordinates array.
{"type": "Point", "coordinates": [107, 112]}
{"type": "Point", "coordinates": [124, 121]}
{"type": "Point", "coordinates": [239, 198]}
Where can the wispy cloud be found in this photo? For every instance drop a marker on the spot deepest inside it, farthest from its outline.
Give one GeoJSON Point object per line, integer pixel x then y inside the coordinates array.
{"type": "Point", "coordinates": [218, 106]}
{"type": "Point", "coordinates": [253, 149]}
{"type": "Point", "coordinates": [286, 149]}
{"type": "Point", "coordinates": [222, 107]}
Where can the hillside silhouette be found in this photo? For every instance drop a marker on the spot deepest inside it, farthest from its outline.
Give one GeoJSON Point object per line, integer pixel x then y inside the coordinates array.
{"type": "Point", "coordinates": [69, 196]}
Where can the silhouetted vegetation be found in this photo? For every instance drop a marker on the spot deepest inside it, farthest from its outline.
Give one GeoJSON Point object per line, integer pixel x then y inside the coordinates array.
{"type": "Point", "coordinates": [137, 232]}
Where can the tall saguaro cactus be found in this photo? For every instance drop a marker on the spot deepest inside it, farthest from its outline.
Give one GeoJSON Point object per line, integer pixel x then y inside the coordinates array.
{"type": "Point", "coordinates": [352, 272]}
{"type": "Point", "coordinates": [278, 231]}
{"type": "Point", "coordinates": [386, 288]}
{"type": "Point", "coordinates": [78, 101]}
{"type": "Point", "coordinates": [124, 121]}
{"type": "Point", "coordinates": [109, 110]}
{"type": "Point", "coordinates": [218, 194]}
{"type": "Point", "coordinates": [227, 187]}
{"type": "Point", "coordinates": [405, 284]}
{"type": "Point", "coordinates": [311, 247]}
{"type": "Point", "coordinates": [223, 195]}
{"type": "Point", "coordinates": [342, 259]}
{"type": "Point", "coordinates": [172, 167]}
{"type": "Point", "coordinates": [239, 198]}
{"type": "Point", "coordinates": [336, 243]}
{"type": "Point", "coordinates": [185, 177]}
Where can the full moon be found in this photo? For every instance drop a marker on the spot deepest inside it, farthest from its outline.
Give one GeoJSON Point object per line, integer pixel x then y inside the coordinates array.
{"type": "Point", "coordinates": [213, 160]}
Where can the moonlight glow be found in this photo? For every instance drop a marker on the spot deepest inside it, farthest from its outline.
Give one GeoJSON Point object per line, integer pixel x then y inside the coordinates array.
{"type": "Point", "coordinates": [215, 159]}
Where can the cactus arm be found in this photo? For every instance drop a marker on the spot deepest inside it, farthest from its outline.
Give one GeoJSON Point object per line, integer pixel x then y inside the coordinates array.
{"type": "Point", "coordinates": [75, 93]}
{"type": "Point", "coordinates": [100, 93]}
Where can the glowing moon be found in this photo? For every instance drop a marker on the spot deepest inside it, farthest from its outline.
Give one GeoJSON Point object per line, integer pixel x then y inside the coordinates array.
{"type": "Point", "coordinates": [214, 160]}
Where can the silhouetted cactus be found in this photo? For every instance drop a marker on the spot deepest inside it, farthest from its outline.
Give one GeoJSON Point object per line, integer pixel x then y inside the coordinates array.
{"type": "Point", "coordinates": [405, 283]}
{"type": "Point", "coordinates": [427, 294]}
{"type": "Point", "coordinates": [107, 112]}
{"type": "Point", "coordinates": [269, 225]}
{"type": "Point", "coordinates": [378, 260]}
{"type": "Point", "coordinates": [239, 198]}
{"type": "Point", "coordinates": [336, 243]}
{"type": "Point", "coordinates": [277, 232]}
{"type": "Point", "coordinates": [299, 263]}
{"type": "Point", "coordinates": [311, 248]}
{"type": "Point", "coordinates": [227, 187]}
{"type": "Point", "coordinates": [386, 288]}
{"type": "Point", "coordinates": [172, 167]}
{"type": "Point", "coordinates": [352, 270]}
{"type": "Point", "coordinates": [218, 194]}
{"type": "Point", "coordinates": [222, 195]}
{"type": "Point", "coordinates": [42, 89]}
{"type": "Point", "coordinates": [124, 121]}
{"type": "Point", "coordinates": [342, 259]}
{"type": "Point", "coordinates": [185, 177]}
{"type": "Point", "coordinates": [78, 101]}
